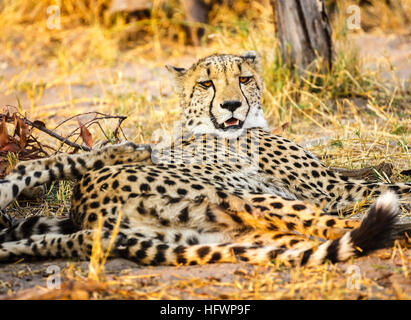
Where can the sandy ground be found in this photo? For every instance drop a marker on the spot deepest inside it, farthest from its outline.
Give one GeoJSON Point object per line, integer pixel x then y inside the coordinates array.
{"type": "Point", "coordinates": [391, 53]}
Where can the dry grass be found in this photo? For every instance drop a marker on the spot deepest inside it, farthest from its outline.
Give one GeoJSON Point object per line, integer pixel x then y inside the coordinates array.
{"type": "Point", "coordinates": [352, 117]}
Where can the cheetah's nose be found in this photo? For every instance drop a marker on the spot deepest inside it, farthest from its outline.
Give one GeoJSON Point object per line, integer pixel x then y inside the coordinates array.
{"type": "Point", "coordinates": [231, 105]}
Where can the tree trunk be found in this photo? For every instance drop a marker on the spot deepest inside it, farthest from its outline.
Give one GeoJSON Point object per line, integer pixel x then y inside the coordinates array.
{"type": "Point", "coordinates": [195, 11]}
{"type": "Point", "coordinates": [304, 32]}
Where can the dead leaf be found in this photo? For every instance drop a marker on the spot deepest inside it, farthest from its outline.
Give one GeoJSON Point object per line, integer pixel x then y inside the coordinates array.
{"type": "Point", "coordinates": [281, 128]}
{"type": "Point", "coordinates": [4, 135]}
{"type": "Point", "coordinates": [85, 135]}
{"type": "Point", "coordinates": [10, 147]}
{"type": "Point", "coordinates": [16, 125]}
{"type": "Point", "coordinates": [24, 133]}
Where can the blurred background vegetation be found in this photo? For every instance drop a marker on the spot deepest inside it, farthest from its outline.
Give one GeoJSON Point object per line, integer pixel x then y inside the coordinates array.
{"type": "Point", "coordinates": [100, 29]}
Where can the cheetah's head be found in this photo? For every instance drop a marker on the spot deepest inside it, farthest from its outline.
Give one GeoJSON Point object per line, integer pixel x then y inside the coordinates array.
{"type": "Point", "coordinates": [221, 94]}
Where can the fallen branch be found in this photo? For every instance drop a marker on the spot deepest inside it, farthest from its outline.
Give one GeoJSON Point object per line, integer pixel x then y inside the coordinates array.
{"type": "Point", "coordinates": [23, 145]}
{"type": "Point", "coordinates": [65, 140]}
{"type": "Point", "coordinates": [55, 135]}
{"type": "Point", "coordinates": [87, 124]}
{"type": "Point", "coordinates": [366, 173]}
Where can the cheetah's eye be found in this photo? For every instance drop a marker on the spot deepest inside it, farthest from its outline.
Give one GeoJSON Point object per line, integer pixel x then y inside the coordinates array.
{"type": "Point", "coordinates": [245, 80]}
{"type": "Point", "coordinates": [206, 84]}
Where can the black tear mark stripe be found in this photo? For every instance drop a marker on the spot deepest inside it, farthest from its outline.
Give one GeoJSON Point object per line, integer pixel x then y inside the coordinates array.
{"type": "Point", "coordinates": [213, 119]}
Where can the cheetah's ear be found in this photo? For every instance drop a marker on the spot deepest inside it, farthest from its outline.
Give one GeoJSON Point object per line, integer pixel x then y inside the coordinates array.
{"type": "Point", "coordinates": [178, 77]}
{"type": "Point", "coordinates": [176, 72]}
{"type": "Point", "coordinates": [253, 59]}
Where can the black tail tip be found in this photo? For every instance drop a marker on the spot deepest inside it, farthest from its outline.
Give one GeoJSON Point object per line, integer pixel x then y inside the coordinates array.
{"type": "Point", "coordinates": [377, 230]}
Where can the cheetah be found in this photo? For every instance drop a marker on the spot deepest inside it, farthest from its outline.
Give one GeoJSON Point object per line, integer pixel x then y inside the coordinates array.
{"type": "Point", "coordinates": [225, 189]}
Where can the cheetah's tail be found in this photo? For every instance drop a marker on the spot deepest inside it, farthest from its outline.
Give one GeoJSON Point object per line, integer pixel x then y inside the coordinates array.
{"type": "Point", "coordinates": [377, 230]}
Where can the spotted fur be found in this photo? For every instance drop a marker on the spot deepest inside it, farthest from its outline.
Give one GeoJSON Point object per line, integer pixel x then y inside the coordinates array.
{"type": "Point", "coordinates": [227, 190]}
